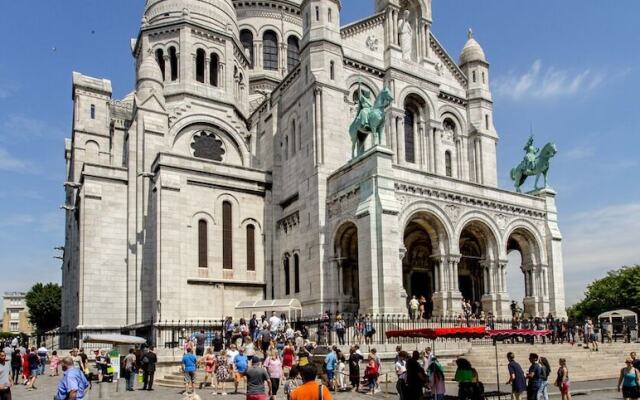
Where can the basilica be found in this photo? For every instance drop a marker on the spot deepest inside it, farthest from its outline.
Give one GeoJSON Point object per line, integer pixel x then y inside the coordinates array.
{"type": "Point", "coordinates": [229, 173]}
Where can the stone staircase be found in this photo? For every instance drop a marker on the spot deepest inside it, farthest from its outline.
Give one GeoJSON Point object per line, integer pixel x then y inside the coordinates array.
{"type": "Point", "coordinates": [584, 365]}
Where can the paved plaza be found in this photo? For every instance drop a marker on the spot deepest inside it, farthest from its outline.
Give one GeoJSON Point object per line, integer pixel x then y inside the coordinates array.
{"type": "Point", "coordinates": [47, 386]}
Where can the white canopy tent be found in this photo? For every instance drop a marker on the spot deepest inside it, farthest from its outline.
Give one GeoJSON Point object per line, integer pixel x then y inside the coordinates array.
{"type": "Point", "coordinates": [290, 307]}
{"type": "Point", "coordinates": [617, 320]}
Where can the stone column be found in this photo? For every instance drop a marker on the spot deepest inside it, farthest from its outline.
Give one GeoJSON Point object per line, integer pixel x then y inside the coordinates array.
{"type": "Point", "coordinates": [454, 306]}
{"type": "Point", "coordinates": [436, 150]}
{"type": "Point", "coordinates": [393, 134]}
{"type": "Point", "coordinates": [401, 149]}
{"type": "Point", "coordinates": [478, 160]}
{"type": "Point", "coordinates": [257, 55]}
{"type": "Point", "coordinates": [421, 130]}
{"type": "Point", "coordinates": [318, 121]}
{"type": "Point", "coordinates": [207, 71]}
{"type": "Point", "coordinates": [167, 68]}
{"type": "Point", "coordinates": [221, 76]}
{"type": "Point", "coordinates": [440, 295]}
{"type": "Point", "coordinates": [395, 27]}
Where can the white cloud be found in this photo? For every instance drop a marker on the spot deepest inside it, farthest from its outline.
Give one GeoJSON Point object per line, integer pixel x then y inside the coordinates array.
{"type": "Point", "coordinates": [545, 83]}
{"type": "Point", "coordinates": [581, 152]}
{"type": "Point", "coordinates": [11, 163]}
{"type": "Point", "coordinates": [22, 126]}
{"type": "Point", "coordinates": [598, 241]}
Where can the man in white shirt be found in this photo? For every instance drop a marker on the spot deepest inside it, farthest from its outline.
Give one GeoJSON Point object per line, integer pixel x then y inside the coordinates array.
{"type": "Point", "coordinates": [413, 307]}
{"type": "Point", "coordinates": [275, 322]}
{"type": "Point", "coordinates": [401, 372]}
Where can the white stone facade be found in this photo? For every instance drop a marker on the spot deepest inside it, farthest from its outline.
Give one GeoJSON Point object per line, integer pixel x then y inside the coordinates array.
{"type": "Point", "coordinates": [226, 175]}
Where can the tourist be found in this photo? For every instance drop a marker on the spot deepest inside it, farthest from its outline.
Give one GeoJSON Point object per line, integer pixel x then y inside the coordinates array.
{"type": "Point", "coordinates": [354, 368]}
{"type": "Point", "coordinates": [414, 304]}
{"type": "Point", "coordinates": [330, 363]}
{"type": "Point", "coordinates": [401, 373]}
{"type": "Point", "coordinates": [209, 362]}
{"type": "Point", "coordinates": [199, 339]}
{"type": "Point", "coordinates": [288, 356]}
{"type": "Point", "coordinates": [358, 330]}
{"type": "Point", "coordinates": [34, 368]}
{"type": "Point", "coordinates": [229, 327]}
{"type": "Point", "coordinates": [43, 356]}
{"type": "Point", "coordinates": [342, 372]}
{"type": "Point", "coordinates": [629, 381]}
{"type": "Point", "coordinates": [369, 330]}
{"type": "Point", "coordinates": [274, 323]}
{"type": "Point", "coordinates": [292, 381]}
{"type": "Point", "coordinates": [217, 342]}
{"type": "Point", "coordinates": [222, 372]}
{"type": "Point", "coordinates": [516, 378]}
{"type": "Point", "coordinates": [465, 377]}
{"type": "Point", "coordinates": [5, 377]}
{"type": "Point", "coordinates": [635, 359]}
{"type": "Point", "coordinates": [310, 390]}
{"type": "Point", "coordinates": [256, 378]}
{"type": "Point", "coordinates": [416, 377]}
{"type": "Point", "coordinates": [273, 364]}
{"type": "Point", "coordinates": [562, 380]}
{"type": "Point", "coordinates": [101, 365]}
{"type": "Point", "coordinates": [130, 369]}
{"type": "Point", "coordinates": [436, 379]}
{"type": "Point", "coordinates": [253, 328]}
{"type": "Point", "coordinates": [240, 365]}
{"type": "Point", "coordinates": [371, 373]}
{"type": "Point", "coordinates": [340, 329]}
{"type": "Point", "coordinates": [73, 384]}
{"type": "Point", "coordinates": [16, 363]}
{"type": "Point", "coordinates": [265, 338]}
{"type": "Point", "coordinates": [149, 361]}
{"type": "Point", "coordinates": [534, 379]}
{"type": "Point", "coordinates": [545, 371]}
{"type": "Point", "coordinates": [422, 308]}
{"type": "Point", "coordinates": [189, 367]}
{"type": "Point", "coordinates": [427, 358]}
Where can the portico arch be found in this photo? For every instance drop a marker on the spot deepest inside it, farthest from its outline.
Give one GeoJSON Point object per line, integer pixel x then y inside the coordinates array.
{"type": "Point", "coordinates": [522, 246]}
{"type": "Point", "coordinates": [477, 269]}
{"type": "Point", "coordinates": [346, 258]}
{"type": "Point", "coordinates": [425, 240]}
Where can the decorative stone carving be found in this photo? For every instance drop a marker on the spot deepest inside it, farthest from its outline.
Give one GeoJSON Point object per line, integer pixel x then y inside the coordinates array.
{"type": "Point", "coordinates": [343, 203]}
{"type": "Point", "coordinates": [439, 69]}
{"type": "Point", "coordinates": [501, 221]}
{"type": "Point", "coordinates": [453, 212]}
{"type": "Point", "coordinates": [372, 43]}
{"type": "Point", "coordinates": [289, 222]}
{"type": "Point", "coordinates": [207, 145]}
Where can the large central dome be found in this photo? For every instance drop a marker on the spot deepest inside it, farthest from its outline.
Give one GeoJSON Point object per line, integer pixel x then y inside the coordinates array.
{"type": "Point", "coordinates": [219, 15]}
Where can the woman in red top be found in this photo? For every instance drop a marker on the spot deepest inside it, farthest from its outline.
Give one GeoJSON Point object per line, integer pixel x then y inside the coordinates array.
{"type": "Point", "coordinates": [26, 371]}
{"type": "Point", "coordinates": [288, 355]}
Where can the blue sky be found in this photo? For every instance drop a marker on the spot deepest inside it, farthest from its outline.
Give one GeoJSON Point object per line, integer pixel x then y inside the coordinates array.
{"type": "Point", "coordinates": [568, 68]}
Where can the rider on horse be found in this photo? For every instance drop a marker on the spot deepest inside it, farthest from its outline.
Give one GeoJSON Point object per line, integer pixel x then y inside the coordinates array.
{"type": "Point", "coordinates": [531, 152]}
{"type": "Point", "coordinates": [364, 106]}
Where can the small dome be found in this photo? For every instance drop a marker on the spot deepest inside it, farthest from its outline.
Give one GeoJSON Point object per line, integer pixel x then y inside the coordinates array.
{"type": "Point", "coordinates": [219, 15]}
{"type": "Point", "coordinates": [472, 51]}
{"type": "Point", "coordinates": [149, 71]}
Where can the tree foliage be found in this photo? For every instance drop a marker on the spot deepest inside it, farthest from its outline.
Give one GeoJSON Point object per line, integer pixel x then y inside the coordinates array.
{"type": "Point", "coordinates": [44, 302]}
{"type": "Point", "coordinates": [619, 289]}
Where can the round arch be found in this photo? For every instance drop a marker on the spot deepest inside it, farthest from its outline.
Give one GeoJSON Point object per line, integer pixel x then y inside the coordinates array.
{"type": "Point", "coordinates": [530, 231]}
{"type": "Point", "coordinates": [484, 219]}
{"type": "Point", "coordinates": [448, 111]}
{"type": "Point", "coordinates": [423, 206]}
{"type": "Point", "coordinates": [268, 27]}
{"type": "Point", "coordinates": [421, 93]}
{"type": "Point", "coordinates": [345, 248]}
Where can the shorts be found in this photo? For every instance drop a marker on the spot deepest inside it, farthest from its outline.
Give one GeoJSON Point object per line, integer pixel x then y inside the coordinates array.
{"type": "Point", "coordinates": [35, 372]}
{"type": "Point", "coordinates": [260, 396]}
{"type": "Point", "coordinates": [330, 374]}
{"type": "Point", "coordinates": [517, 395]}
{"type": "Point", "coordinates": [238, 377]}
{"type": "Point", "coordinates": [564, 388]}
{"type": "Point", "coordinates": [199, 351]}
{"type": "Point", "coordinates": [189, 377]}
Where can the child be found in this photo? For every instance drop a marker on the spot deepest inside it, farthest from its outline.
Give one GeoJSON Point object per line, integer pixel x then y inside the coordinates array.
{"type": "Point", "coordinates": [342, 367]}
{"type": "Point", "coordinates": [54, 362]}
{"type": "Point", "coordinates": [371, 373]}
{"type": "Point", "coordinates": [292, 382]}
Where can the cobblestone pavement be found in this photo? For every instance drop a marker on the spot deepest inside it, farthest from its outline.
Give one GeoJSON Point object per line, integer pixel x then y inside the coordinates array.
{"type": "Point", "coordinates": [47, 386]}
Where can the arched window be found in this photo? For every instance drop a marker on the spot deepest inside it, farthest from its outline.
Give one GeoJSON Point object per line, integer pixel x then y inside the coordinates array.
{"type": "Point", "coordinates": [270, 50]}
{"type": "Point", "coordinates": [200, 56]}
{"type": "Point", "coordinates": [296, 273]}
{"type": "Point", "coordinates": [227, 236]}
{"type": "Point", "coordinates": [486, 121]}
{"type": "Point", "coordinates": [330, 15]}
{"type": "Point", "coordinates": [287, 272]}
{"type": "Point", "coordinates": [409, 145]}
{"type": "Point", "coordinates": [474, 76]}
{"type": "Point", "coordinates": [93, 111]}
{"type": "Point", "coordinates": [251, 248]}
{"type": "Point", "coordinates": [447, 164]}
{"type": "Point", "coordinates": [332, 70]}
{"type": "Point", "coordinates": [484, 78]}
{"type": "Point", "coordinates": [202, 244]}
{"type": "Point", "coordinates": [293, 137]}
{"type": "Point", "coordinates": [246, 38]}
{"type": "Point", "coordinates": [317, 13]}
{"type": "Point", "coordinates": [293, 52]}
{"type": "Point", "coordinates": [213, 69]}
{"type": "Point", "coordinates": [173, 59]}
{"type": "Point", "coordinates": [286, 147]}
{"type": "Point", "coordinates": [160, 60]}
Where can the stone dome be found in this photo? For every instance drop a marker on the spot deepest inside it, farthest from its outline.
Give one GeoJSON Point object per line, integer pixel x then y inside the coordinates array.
{"type": "Point", "coordinates": [472, 51]}
{"type": "Point", "coordinates": [218, 15]}
{"type": "Point", "coordinates": [149, 73]}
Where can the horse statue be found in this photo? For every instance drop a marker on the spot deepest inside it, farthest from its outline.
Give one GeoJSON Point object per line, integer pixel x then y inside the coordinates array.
{"type": "Point", "coordinates": [369, 118]}
{"type": "Point", "coordinates": [536, 162]}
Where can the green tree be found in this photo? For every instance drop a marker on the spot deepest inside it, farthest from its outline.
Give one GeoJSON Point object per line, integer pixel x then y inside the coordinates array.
{"type": "Point", "coordinates": [619, 289]}
{"type": "Point", "coordinates": [44, 302]}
